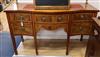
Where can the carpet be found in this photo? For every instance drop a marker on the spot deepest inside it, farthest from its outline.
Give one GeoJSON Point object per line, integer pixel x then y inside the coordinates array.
{"type": "Point", "coordinates": [6, 47]}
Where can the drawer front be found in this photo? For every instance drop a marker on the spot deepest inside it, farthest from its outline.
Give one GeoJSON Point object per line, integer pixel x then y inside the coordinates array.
{"type": "Point", "coordinates": [81, 28]}
{"type": "Point", "coordinates": [22, 17]}
{"type": "Point", "coordinates": [51, 26]}
{"type": "Point", "coordinates": [65, 26]}
{"type": "Point", "coordinates": [43, 18]}
{"type": "Point", "coordinates": [82, 16]}
{"type": "Point", "coordinates": [25, 29]}
{"type": "Point", "coordinates": [62, 18]}
{"type": "Point", "coordinates": [58, 18]}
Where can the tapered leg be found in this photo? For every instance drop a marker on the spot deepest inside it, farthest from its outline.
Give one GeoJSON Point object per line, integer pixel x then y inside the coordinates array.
{"type": "Point", "coordinates": [67, 45]}
{"type": "Point", "coordinates": [35, 43]}
{"type": "Point", "coordinates": [14, 44]}
{"type": "Point", "coordinates": [22, 38]}
{"type": "Point", "coordinates": [81, 39]}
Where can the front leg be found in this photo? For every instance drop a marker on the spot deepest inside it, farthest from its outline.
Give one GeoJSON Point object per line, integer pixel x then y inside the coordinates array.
{"type": "Point", "coordinates": [22, 38]}
{"type": "Point", "coordinates": [67, 45]}
{"type": "Point", "coordinates": [81, 39]}
{"type": "Point", "coordinates": [35, 43]}
{"type": "Point", "coordinates": [14, 44]}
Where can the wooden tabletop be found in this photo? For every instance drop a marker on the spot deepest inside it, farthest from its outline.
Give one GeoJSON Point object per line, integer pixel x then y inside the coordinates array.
{"type": "Point", "coordinates": [31, 7]}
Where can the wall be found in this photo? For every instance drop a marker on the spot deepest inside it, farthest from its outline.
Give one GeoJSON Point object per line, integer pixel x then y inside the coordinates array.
{"type": "Point", "coordinates": [96, 4]}
{"type": "Point", "coordinates": [25, 1]}
{"type": "Point", "coordinates": [31, 1]}
{"type": "Point", "coordinates": [77, 1]}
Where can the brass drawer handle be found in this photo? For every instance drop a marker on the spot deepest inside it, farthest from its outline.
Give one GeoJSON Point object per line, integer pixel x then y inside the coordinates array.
{"type": "Point", "coordinates": [59, 19]}
{"type": "Point", "coordinates": [80, 28]}
{"type": "Point", "coordinates": [82, 16]}
{"type": "Point", "coordinates": [21, 23]}
{"type": "Point", "coordinates": [43, 19]}
{"type": "Point", "coordinates": [21, 18]}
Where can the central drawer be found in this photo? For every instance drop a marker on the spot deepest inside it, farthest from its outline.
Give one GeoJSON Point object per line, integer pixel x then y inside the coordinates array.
{"type": "Point", "coordinates": [51, 26]}
{"type": "Point", "coordinates": [51, 18]}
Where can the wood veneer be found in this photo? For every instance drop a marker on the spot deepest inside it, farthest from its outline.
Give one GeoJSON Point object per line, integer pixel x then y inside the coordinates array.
{"type": "Point", "coordinates": [24, 19]}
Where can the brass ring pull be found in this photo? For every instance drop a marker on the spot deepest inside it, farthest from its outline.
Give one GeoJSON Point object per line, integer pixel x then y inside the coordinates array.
{"type": "Point", "coordinates": [81, 29]}
{"type": "Point", "coordinates": [21, 18]}
{"type": "Point", "coordinates": [21, 21]}
{"type": "Point", "coordinates": [59, 19]}
{"type": "Point", "coordinates": [82, 16]}
{"type": "Point", "coordinates": [43, 19]}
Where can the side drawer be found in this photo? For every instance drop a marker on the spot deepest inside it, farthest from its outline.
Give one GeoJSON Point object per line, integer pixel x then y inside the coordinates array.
{"type": "Point", "coordinates": [22, 17]}
{"type": "Point", "coordinates": [26, 29]}
{"type": "Point", "coordinates": [81, 28]}
{"type": "Point", "coordinates": [82, 16]}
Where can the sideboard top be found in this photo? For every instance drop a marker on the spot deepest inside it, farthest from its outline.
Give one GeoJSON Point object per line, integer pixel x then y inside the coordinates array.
{"type": "Point", "coordinates": [31, 8]}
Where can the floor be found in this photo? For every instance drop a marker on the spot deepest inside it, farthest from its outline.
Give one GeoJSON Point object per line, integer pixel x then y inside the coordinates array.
{"type": "Point", "coordinates": [53, 47]}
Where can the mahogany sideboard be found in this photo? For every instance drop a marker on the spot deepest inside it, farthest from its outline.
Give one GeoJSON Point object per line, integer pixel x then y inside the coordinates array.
{"type": "Point", "coordinates": [24, 19]}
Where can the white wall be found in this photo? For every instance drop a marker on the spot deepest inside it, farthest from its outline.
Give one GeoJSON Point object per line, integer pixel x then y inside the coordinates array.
{"type": "Point", "coordinates": [96, 4]}
{"type": "Point", "coordinates": [25, 1]}
{"type": "Point", "coordinates": [72, 1]}
{"type": "Point", "coordinates": [77, 1]}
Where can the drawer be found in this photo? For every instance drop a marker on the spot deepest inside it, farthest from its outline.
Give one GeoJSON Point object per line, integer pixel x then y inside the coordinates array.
{"type": "Point", "coordinates": [45, 26]}
{"type": "Point", "coordinates": [62, 18]}
{"type": "Point", "coordinates": [82, 16]}
{"type": "Point", "coordinates": [22, 17]}
{"type": "Point", "coordinates": [65, 26]}
{"type": "Point", "coordinates": [81, 28]}
{"type": "Point", "coordinates": [51, 26]}
{"type": "Point", "coordinates": [26, 29]}
{"type": "Point", "coordinates": [43, 18]}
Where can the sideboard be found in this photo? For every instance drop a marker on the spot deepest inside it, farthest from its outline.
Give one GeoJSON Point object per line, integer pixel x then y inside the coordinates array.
{"type": "Point", "coordinates": [24, 19]}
